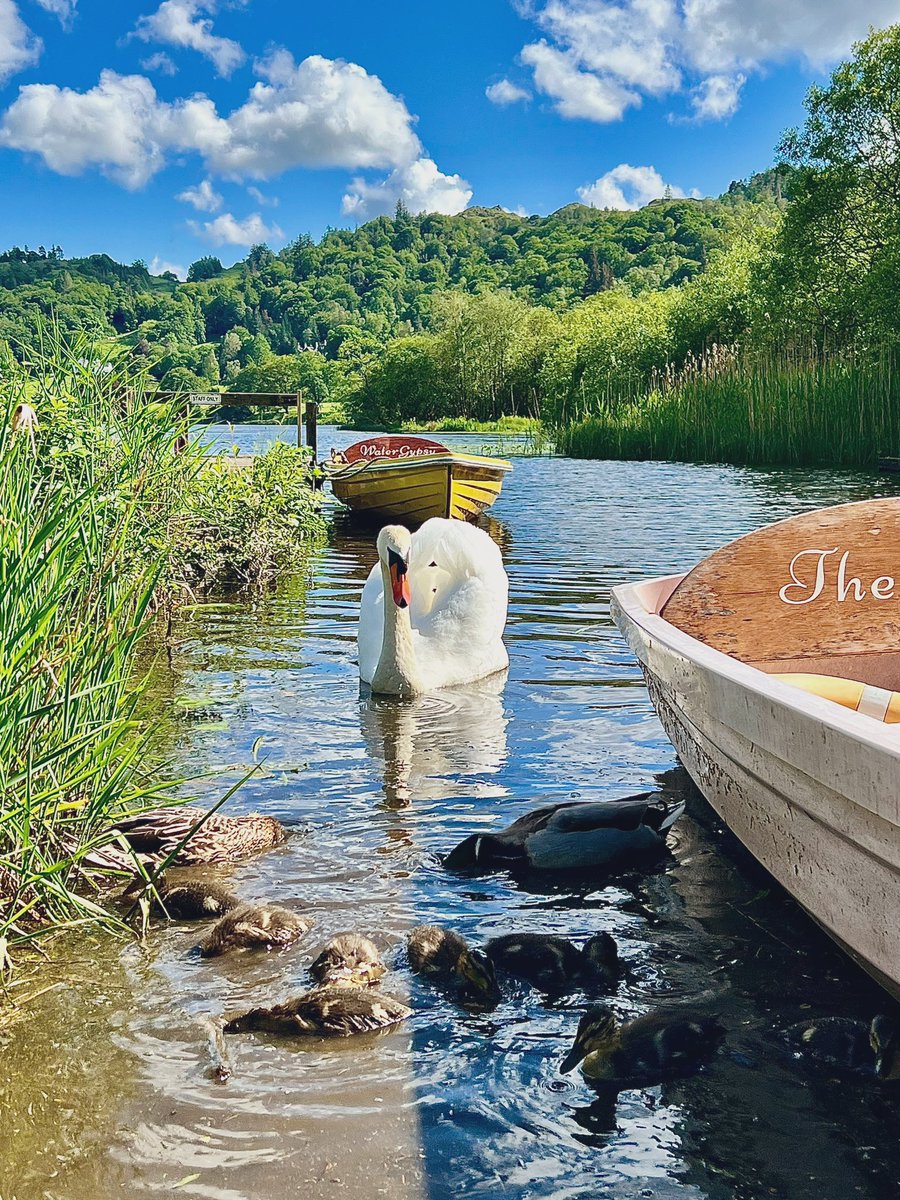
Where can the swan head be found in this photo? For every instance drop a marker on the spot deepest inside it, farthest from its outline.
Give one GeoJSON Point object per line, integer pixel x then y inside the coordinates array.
{"type": "Point", "coordinates": [394, 544]}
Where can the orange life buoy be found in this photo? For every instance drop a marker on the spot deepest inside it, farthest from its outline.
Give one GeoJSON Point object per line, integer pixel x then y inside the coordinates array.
{"type": "Point", "coordinates": [864, 698]}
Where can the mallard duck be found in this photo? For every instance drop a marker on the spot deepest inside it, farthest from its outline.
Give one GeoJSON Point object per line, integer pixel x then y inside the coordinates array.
{"type": "Point", "coordinates": [656, 1047]}
{"type": "Point", "coordinates": [184, 899]}
{"type": "Point", "coordinates": [572, 836]}
{"type": "Point", "coordinates": [255, 926]}
{"type": "Point", "coordinates": [348, 960]}
{"type": "Point", "coordinates": [866, 1048]}
{"type": "Point", "coordinates": [159, 832]}
{"type": "Point", "coordinates": [555, 964]}
{"type": "Point", "coordinates": [326, 1012]}
{"type": "Point", "coordinates": [445, 958]}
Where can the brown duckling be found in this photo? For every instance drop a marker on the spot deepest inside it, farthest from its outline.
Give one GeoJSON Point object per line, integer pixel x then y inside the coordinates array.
{"type": "Point", "coordinates": [656, 1047]}
{"type": "Point", "coordinates": [326, 1012]}
{"type": "Point", "coordinates": [864, 1048]}
{"type": "Point", "coordinates": [445, 958]}
{"type": "Point", "coordinates": [348, 960]}
{"type": "Point", "coordinates": [255, 926]}
{"type": "Point", "coordinates": [554, 964]}
{"type": "Point", "coordinates": [159, 832]}
{"type": "Point", "coordinates": [184, 899]}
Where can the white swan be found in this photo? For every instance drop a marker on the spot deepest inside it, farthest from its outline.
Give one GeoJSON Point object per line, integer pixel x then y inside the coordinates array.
{"type": "Point", "coordinates": [443, 621]}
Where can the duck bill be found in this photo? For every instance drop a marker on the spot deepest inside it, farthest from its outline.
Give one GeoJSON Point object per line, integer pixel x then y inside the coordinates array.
{"type": "Point", "coordinates": [572, 1059]}
{"type": "Point", "coordinates": [399, 580]}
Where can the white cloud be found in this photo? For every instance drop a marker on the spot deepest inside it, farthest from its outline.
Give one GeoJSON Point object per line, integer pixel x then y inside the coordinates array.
{"type": "Point", "coordinates": [504, 92]}
{"type": "Point", "coordinates": [161, 62]}
{"type": "Point", "coordinates": [717, 97]}
{"type": "Point", "coordinates": [181, 23]}
{"type": "Point", "coordinates": [64, 9]}
{"type": "Point", "coordinates": [159, 265]}
{"type": "Point", "coordinates": [255, 194]}
{"type": "Point", "coordinates": [227, 230]}
{"type": "Point", "coordinates": [421, 187]}
{"type": "Point", "coordinates": [117, 125]}
{"type": "Point", "coordinates": [600, 56]}
{"type": "Point", "coordinates": [577, 93]}
{"type": "Point", "coordinates": [204, 197]}
{"type": "Point", "coordinates": [19, 48]}
{"type": "Point", "coordinates": [320, 113]}
{"type": "Point", "coordinates": [627, 187]}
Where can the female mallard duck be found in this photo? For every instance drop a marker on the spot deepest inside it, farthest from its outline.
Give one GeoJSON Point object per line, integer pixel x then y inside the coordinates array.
{"type": "Point", "coordinates": [348, 960]}
{"type": "Point", "coordinates": [572, 836]}
{"type": "Point", "coordinates": [554, 964]}
{"type": "Point", "coordinates": [189, 835]}
{"type": "Point", "coordinates": [445, 958]}
{"type": "Point", "coordinates": [865, 1048]}
{"type": "Point", "coordinates": [652, 1049]}
{"type": "Point", "coordinates": [184, 899]}
{"type": "Point", "coordinates": [255, 926]}
{"type": "Point", "coordinates": [326, 1012]}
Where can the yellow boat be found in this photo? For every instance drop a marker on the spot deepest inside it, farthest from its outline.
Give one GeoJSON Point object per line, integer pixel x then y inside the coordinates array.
{"type": "Point", "coordinates": [412, 479]}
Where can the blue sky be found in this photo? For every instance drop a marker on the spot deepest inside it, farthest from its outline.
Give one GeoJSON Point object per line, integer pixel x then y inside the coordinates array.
{"type": "Point", "coordinates": [166, 129]}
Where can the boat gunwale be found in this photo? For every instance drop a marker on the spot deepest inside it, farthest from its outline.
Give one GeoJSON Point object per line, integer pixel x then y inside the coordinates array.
{"type": "Point", "coordinates": [369, 466]}
{"type": "Point", "coordinates": [629, 608]}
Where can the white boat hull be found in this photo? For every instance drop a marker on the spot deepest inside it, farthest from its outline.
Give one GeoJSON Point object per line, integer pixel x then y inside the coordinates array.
{"type": "Point", "coordinates": [810, 788]}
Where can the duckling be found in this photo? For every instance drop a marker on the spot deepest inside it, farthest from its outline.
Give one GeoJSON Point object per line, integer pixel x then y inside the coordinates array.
{"type": "Point", "coordinates": [156, 834]}
{"type": "Point", "coordinates": [572, 836]}
{"type": "Point", "coordinates": [867, 1049]}
{"type": "Point", "coordinates": [348, 960]}
{"type": "Point", "coordinates": [444, 957]}
{"type": "Point", "coordinates": [184, 899]}
{"type": "Point", "coordinates": [554, 964]}
{"type": "Point", "coordinates": [326, 1012]}
{"type": "Point", "coordinates": [656, 1047]}
{"type": "Point", "coordinates": [255, 926]}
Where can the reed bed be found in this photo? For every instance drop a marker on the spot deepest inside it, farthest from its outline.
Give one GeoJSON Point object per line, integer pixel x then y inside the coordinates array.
{"type": "Point", "coordinates": [798, 408]}
{"type": "Point", "coordinates": [85, 509]}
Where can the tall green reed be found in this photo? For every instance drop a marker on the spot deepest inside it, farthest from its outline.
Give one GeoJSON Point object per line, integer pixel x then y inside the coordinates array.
{"type": "Point", "coordinates": [793, 408]}
{"type": "Point", "coordinates": [85, 516]}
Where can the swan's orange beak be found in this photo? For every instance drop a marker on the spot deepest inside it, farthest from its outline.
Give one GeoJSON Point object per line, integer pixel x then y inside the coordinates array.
{"type": "Point", "coordinates": [399, 580]}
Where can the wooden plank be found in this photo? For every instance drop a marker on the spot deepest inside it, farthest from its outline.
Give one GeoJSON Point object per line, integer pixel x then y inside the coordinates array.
{"type": "Point", "coordinates": [822, 585]}
{"type": "Point", "coordinates": [234, 399]}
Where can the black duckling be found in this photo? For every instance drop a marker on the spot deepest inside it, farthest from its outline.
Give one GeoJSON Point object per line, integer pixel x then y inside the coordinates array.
{"type": "Point", "coordinates": [255, 926]}
{"type": "Point", "coordinates": [348, 960]}
{"type": "Point", "coordinates": [572, 836]}
{"type": "Point", "coordinates": [159, 832]}
{"type": "Point", "coordinates": [184, 899]}
{"type": "Point", "coordinates": [654, 1048]}
{"type": "Point", "coordinates": [326, 1012]}
{"type": "Point", "coordinates": [867, 1049]}
{"type": "Point", "coordinates": [554, 964]}
{"type": "Point", "coordinates": [445, 958]}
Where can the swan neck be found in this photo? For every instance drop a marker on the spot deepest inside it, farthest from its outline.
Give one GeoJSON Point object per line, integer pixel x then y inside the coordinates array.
{"type": "Point", "coordinates": [397, 672]}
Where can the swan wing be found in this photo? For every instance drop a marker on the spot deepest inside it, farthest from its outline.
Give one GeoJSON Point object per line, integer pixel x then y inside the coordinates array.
{"type": "Point", "coordinates": [370, 631]}
{"type": "Point", "coordinates": [460, 594]}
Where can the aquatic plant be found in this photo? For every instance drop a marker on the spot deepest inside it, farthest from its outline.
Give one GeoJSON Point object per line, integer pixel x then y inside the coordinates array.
{"type": "Point", "coordinates": [801, 407]}
{"type": "Point", "coordinates": [104, 519]}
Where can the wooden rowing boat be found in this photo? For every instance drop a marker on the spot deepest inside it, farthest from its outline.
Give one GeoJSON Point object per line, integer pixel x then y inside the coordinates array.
{"type": "Point", "coordinates": [811, 786]}
{"type": "Point", "coordinates": [412, 479]}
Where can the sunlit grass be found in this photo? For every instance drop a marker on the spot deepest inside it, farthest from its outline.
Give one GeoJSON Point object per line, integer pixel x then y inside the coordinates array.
{"type": "Point", "coordinates": [84, 520]}
{"type": "Point", "coordinates": [792, 409]}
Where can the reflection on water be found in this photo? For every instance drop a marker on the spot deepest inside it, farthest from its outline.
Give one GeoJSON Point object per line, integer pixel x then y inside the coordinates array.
{"type": "Point", "coordinates": [107, 1091]}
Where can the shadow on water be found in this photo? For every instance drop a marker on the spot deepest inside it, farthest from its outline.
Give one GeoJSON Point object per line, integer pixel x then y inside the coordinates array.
{"type": "Point", "coordinates": [106, 1090]}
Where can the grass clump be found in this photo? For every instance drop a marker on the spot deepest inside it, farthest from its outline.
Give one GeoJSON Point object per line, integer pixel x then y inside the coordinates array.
{"type": "Point", "coordinates": [752, 408]}
{"type": "Point", "coordinates": [101, 524]}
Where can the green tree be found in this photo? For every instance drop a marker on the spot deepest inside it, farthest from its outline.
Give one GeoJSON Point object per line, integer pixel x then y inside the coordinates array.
{"type": "Point", "coordinates": [207, 267]}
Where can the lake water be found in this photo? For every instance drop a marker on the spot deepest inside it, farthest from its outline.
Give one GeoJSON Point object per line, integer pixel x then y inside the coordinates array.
{"type": "Point", "coordinates": [105, 1092]}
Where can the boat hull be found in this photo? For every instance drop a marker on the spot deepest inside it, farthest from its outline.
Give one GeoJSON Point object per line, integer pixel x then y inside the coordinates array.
{"type": "Point", "coordinates": [459, 486]}
{"type": "Point", "coordinates": [810, 789]}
